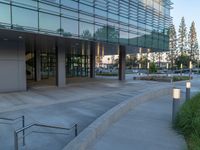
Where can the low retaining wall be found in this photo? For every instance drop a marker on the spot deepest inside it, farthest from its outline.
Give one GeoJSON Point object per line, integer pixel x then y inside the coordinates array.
{"type": "Point", "coordinates": [101, 124]}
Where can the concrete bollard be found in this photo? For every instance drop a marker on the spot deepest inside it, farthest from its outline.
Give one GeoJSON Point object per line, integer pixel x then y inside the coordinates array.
{"type": "Point", "coordinates": [176, 103]}
{"type": "Point", "coordinates": [188, 87]}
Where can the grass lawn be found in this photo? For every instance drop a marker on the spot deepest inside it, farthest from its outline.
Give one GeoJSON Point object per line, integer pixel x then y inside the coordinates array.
{"type": "Point", "coordinates": [188, 122]}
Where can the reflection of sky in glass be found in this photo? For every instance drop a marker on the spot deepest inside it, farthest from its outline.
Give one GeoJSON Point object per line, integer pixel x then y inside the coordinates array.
{"type": "Point", "coordinates": [49, 22]}
{"type": "Point", "coordinates": [4, 13]}
{"type": "Point", "coordinates": [107, 25]}
{"type": "Point", "coordinates": [25, 17]}
{"type": "Point", "coordinates": [26, 2]}
{"type": "Point", "coordinates": [157, 4]}
{"type": "Point", "coordinates": [69, 26]}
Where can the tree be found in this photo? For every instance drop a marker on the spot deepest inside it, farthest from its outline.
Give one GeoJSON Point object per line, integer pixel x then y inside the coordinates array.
{"type": "Point", "coordinates": [172, 54]}
{"type": "Point", "coordinates": [152, 68]}
{"type": "Point", "coordinates": [107, 32]}
{"type": "Point", "coordinates": [193, 43]}
{"type": "Point", "coordinates": [86, 34]}
{"type": "Point", "coordinates": [182, 59]}
{"type": "Point", "coordinates": [182, 37]}
{"type": "Point", "coordinates": [131, 61]}
{"type": "Point", "coordinates": [60, 30]}
{"type": "Point", "coordinates": [158, 56]}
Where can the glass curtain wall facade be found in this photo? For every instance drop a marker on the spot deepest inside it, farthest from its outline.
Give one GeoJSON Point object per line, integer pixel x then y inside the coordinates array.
{"type": "Point", "coordinates": [138, 23]}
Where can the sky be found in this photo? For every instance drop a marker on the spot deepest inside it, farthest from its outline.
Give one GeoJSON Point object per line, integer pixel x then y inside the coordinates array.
{"type": "Point", "coordinates": [190, 9]}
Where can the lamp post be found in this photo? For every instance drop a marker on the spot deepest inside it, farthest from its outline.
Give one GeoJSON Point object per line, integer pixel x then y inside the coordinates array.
{"type": "Point", "coordinates": [181, 69]}
{"type": "Point", "coordinates": [148, 66]}
{"type": "Point", "coordinates": [167, 68]}
{"type": "Point", "coordinates": [176, 103]}
{"type": "Point", "coordinates": [140, 66]}
{"type": "Point", "coordinates": [188, 87]}
{"type": "Point", "coordinates": [140, 59]}
{"type": "Point", "coordinates": [190, 67]}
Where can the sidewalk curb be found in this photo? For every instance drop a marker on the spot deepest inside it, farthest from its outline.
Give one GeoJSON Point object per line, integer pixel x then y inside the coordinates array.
{"type": "Point", "coordinates": [101, 124]}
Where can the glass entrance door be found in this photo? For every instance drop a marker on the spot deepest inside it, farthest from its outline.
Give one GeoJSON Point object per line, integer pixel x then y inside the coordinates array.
{"type": "Point", "coordinates": [77, 65]}
{"type": "Point", "coordinates": [48, 65]}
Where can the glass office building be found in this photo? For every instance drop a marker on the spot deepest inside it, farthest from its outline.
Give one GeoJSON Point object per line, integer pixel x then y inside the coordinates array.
{"type": "Point", "coordinates": [43, 27]}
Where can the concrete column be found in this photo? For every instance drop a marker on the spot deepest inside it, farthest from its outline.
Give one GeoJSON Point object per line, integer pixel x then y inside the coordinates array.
{"type": "Point", "coordinates": [37, 63]}
{"type": "Point", "coordinates": [61, 70]}
{"type": "Point", "coordinates": [92, 59]}
{"type": "Point", "coordinates": [122, 62]}
{"type": "Point", "coordinates": [12, 66]}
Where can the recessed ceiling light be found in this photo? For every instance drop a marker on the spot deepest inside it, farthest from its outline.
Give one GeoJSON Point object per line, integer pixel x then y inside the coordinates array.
{"type": "Point", "coordinates": [20, 37]}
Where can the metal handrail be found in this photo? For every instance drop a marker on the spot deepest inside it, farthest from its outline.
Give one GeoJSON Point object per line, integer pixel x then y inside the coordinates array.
{"type": "Point", "coordinates": [75, 126]}
{"type": "Point", "coordinates": [23, 124]}
{"type": "Point", "coordinates": [9, 119]}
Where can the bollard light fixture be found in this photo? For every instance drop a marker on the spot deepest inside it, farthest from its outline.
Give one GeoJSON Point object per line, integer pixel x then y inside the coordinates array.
{"type": "Point", "coordinates": [190, 65]}
{"type": "Point", "coordinates": [181, 66]}
{"type": "Point", "coordinates": [140, 50]}
{"type": "Point", "coordinates": [176, 94]}
{"type": "Point", "coordinates": [148, 65]}
{"type": "Point", "coordinates": [140, 66]}
{"type": "Point", "coordinates": [176, 103]}
{"type": "Point", "coordinates": [188, 84]}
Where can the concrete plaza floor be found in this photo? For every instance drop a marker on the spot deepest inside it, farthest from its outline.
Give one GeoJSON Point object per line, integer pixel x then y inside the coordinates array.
{"type": "Point", "coordinates": [79, 102]}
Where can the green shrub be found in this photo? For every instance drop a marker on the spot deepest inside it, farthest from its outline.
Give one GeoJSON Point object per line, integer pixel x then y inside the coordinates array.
{"type": "Point", "coordinates": [107, 74]}
{"type": "Point", "coordinates": [180, 78]}
{"type": "Point", "coordinates": [188, 122]}
{"type": "Point", "coordinates": [152, 68]}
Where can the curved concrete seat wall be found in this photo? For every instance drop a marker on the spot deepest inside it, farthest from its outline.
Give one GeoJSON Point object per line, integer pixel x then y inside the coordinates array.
{"type": "Point", "coordinates": [100, 125]}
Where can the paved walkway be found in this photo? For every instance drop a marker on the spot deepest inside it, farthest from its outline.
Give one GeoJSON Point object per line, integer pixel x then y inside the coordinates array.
{"type": "Point", "coordinates": [147, 127]}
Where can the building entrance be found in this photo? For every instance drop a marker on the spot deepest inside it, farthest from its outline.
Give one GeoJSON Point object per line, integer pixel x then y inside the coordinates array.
{"type": "Point", "coordinates": [48, 64]}
{"type": "Point", "coordinates": [41, 61]}
{"type": "Point", "coordinates": [77, 65]}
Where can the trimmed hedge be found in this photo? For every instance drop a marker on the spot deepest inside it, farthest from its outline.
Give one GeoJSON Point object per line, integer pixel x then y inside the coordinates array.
{"type": "Point", "coordinates": [180, 78]}
{"type": "Point", "coordinates": [107, 74]}
{"type": "Point", "coordinates": [164, 78]}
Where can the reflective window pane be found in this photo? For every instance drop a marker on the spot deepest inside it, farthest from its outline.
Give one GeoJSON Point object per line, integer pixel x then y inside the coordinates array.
{"type": "Point", "coordinates": [26, 3]}
{"type": "Point", "coordinates": [101, 33]}
{"type": "Point", "coordinates": [123, 37]}
{"type": "Point", "coordinates": [70, 3]}
{"type": "Point", "coordinates": [49, 22]}
{"type": "Point", "coordinates": [25, 17]}
{"type": "Point", "coordinates": [86, 30]}
{"type": "Point", "coordinates": [49, 8]}
{"type": "Point", "coordinates": [4, 13]}
{"type": "Point", "coordinates": [69, 26]}
{"type": "Point", "coordinates": [69, 13]}
{"type": "Point", "coordinates": [113, 34]}
{"type": "Point", "coordinates": [52, 1]}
